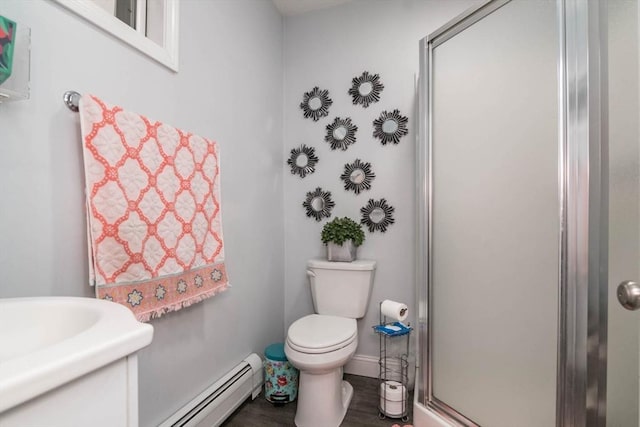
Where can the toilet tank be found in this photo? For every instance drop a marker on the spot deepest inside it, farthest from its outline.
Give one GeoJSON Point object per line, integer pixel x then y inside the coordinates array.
{"type": "Point", "coordinates": [341, 288]}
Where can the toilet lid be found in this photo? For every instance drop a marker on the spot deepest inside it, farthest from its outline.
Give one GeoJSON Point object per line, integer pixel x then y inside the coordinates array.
{"type": "Point", "coordinates": [318, 333]}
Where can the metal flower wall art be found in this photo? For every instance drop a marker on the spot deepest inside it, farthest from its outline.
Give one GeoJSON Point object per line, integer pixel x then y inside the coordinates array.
{"type": "Point", "coordinates": [365, 89]}
{"type": "Point", "coordinates": [390, 127]}
{"type": "Point", "coordinates": [302, 160]}
{"type": "Point", "coordinates": [357, 176]}
{"type": "Point", "coordinates": [377, 215]}
{"type": "Point", "coordinates": [315, 104]}
{"type": "Point", "coordinates": [341, 133]}
{"type": "Point", "coordinates": [318, 204]}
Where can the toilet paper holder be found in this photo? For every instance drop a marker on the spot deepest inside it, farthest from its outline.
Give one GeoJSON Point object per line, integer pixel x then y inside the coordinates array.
{"type": "Point", "coordinates": [393, 365]}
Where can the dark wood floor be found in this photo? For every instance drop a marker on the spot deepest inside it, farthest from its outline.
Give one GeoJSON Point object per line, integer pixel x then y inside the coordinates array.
{"type": "Point", "coordinates": [362, 412]}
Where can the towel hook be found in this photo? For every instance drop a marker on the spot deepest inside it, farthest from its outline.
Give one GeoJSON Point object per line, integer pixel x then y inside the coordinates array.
{"type": "Point", "coordinates": [71, 99]}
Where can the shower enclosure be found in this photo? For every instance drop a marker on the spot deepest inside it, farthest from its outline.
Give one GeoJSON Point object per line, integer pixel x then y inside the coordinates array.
{"type": "Point", "coordinates": [528, 188]}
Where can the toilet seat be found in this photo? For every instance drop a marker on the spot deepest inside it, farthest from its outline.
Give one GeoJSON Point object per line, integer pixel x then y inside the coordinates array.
{"type": "Point", "coordinates": [318, 334]}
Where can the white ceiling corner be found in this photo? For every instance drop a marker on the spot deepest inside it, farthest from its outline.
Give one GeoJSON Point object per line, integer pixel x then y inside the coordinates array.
{"type": "Point", "coordinates": [296, 7]}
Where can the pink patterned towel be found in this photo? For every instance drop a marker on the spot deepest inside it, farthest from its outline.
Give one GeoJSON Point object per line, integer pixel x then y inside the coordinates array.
{"type": "Point", "coordinates": [153, 211]}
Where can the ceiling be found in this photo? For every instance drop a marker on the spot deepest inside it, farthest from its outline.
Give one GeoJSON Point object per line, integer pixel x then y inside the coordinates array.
{"type": "Point", "coordinates": [296, 7]}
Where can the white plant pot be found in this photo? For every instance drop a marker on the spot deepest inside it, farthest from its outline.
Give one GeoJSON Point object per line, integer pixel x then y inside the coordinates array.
{"type": "Point", "coordinates": [342, 253]}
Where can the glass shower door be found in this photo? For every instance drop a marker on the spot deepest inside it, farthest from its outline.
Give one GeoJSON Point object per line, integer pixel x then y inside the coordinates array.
{"type": "Point", "coordinates": [530, 212]}
{"type": "Point", "coordinates": [495, 217]}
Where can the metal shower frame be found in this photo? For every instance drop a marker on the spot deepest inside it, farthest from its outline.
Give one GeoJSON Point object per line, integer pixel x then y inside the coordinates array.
{"type": "Point", "coordinates": [583, 196]}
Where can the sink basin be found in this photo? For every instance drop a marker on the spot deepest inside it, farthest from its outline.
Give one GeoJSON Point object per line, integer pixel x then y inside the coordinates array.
{"type": "Point", "coordinates": [50, 341]}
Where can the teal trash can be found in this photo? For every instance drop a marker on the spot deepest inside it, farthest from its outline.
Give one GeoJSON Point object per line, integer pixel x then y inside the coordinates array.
{"type": "Point", "coordinates": [280, 376]}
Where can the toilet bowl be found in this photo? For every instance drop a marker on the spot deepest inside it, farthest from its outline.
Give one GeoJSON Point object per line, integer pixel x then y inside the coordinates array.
{"type": "Point", "coordinates": [319, 346]}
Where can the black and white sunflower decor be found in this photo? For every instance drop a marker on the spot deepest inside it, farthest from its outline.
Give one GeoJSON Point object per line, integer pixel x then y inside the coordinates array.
{"type": "Point", "coordinates": [318, 204]}
{"type": "Point", "coordinates": [315, 104]}
{"type": "Point", "coordinates": [341, 133]}
{"type": "Point", "coordinates": [357, 176]}
{"type": "Point", "coordinates": [302, 160]}
{"type": "Point", "coordinates": [365, 89]}
{"type": "Point", "coordinates": [377, 215]}
{"type": "Point", "coordinates": [390, 127]}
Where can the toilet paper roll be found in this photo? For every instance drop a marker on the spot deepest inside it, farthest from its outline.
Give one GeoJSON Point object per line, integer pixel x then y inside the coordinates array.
{"type": "Point", "coordinates": [393, 399]}
{"type": "Point", "coordinates": [395, 310]}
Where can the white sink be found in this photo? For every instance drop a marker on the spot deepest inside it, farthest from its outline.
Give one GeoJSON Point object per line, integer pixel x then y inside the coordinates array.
{"type": "Point", "coordinates": [48, 342]}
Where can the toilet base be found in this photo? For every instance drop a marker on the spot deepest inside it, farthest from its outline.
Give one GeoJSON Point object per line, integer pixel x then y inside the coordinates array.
{"type": "Point", "coordinates": [323, 399]}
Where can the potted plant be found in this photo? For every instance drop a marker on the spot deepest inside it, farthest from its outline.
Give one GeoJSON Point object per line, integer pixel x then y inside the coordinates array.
{"type": "Point", "coordinates": [342, 237]}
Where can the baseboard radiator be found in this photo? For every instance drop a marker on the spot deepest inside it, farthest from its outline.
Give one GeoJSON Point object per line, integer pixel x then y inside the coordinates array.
{"type": "Point", "coordinates": [211, 407]}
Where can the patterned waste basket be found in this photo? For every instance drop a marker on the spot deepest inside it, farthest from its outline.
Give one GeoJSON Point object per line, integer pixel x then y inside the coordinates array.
{"type": "Point", "coordinates": [280, 376]}
{"type": "Point", "coordinates": [7, 41]}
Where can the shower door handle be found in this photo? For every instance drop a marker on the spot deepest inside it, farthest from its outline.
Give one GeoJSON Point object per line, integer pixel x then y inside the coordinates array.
{"type": "Point", "coordinates": [629, 294]}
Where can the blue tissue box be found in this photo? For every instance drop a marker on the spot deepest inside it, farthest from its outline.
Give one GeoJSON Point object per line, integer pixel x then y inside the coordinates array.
{"type": "Point", "coordinates": [393, 329]}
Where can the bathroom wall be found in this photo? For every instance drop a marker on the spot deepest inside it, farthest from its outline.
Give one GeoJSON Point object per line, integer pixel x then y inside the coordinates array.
{"type": "Point", "coordinates": [624, 204]}
{"type": "Point", "coordinates": [229, 88]}
{"type": "Point", "coordinates": [327, 48]}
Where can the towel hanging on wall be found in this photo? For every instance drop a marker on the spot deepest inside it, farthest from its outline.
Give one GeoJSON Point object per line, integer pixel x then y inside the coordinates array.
{"type": "Point", "coordinates": [153, 211]}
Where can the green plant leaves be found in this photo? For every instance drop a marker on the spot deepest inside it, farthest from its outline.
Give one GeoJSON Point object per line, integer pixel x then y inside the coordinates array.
{"type": "Point", "coordinates": [342, 229]}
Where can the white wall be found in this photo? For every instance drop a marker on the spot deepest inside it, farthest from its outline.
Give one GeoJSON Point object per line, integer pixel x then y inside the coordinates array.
{"type": "Point", "coordinates": [328, 48]}
{"type": "Point", "coordinates": [624, 213]}
{"type": "Point", "coordinates": [229, 88]}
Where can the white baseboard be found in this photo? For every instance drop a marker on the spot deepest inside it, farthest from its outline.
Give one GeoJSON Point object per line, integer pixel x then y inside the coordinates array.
{"type": "Point", "coordinates": [363, 365]}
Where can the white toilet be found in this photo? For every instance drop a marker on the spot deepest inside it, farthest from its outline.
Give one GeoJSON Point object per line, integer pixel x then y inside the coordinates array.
{"type": "Point", "coordinates": [319, 345]}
